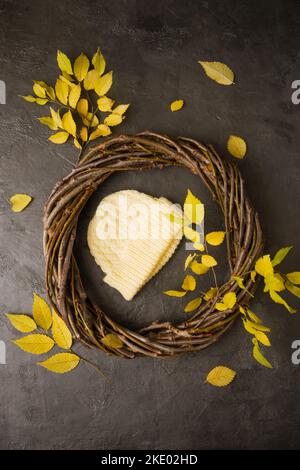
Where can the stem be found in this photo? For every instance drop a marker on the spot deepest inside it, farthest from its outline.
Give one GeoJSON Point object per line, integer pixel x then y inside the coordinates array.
{"type": "Point", "coordinates": [90, 363]}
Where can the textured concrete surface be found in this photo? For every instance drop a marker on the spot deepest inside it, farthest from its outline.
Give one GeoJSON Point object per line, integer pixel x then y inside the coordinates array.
{"type": "Point", "coordinates": [153, 48]}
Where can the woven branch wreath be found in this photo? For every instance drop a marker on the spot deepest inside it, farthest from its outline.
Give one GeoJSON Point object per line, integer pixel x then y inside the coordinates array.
{"type": "Point", "coordinates": [144, 151]}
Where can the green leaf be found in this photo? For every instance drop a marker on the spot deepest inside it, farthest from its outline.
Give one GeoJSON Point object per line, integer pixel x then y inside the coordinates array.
{"type": "Point", "coordinates": [280, 255]}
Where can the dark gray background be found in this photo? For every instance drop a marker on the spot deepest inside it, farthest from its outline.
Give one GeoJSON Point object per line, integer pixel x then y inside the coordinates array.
{"type": "Point", "coordinates": [153, 48]}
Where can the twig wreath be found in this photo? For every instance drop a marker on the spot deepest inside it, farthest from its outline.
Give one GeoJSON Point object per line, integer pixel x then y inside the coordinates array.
{"type": "Point", "coordinates": [144, 151]}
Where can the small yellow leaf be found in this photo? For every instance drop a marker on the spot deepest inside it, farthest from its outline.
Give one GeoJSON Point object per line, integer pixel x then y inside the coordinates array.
{"type": "Point", "coordinates": [121, 109]}
{"type": "Point", "coordinates": [215, 238]}
{"type": "Point", "coordinates": [262, 338]}
{"type": "Point", "coordinates": [67, 79]}
{"type": "Point", "coordinates": [279, 300]}
{"type": "Point", "coordinates": [208, 261]}
{"type": "Point", "coordinates": [175, 293]}
{"type": "Point", "coordinates": [248, 327]}
{"type": "Point", "coordinates": [199, 268]}
{"type": "Point", "coordinates": [81, 67]}
{"type": "Point", "coordinates": [220, 376]}
{"type": "Point", "coordinates": [39, 90]}
{"type": "Point", "coordinates": [198, 246]}
{"type": "Point", "coordinates": [294, 277]}
{"type": "Point", "coordinates": [263, 266]}
{"type": "Point", "coordinates": [274, 282]}
{"type": "Point", "coordinates": [61, 362]}
{"type": "Point", "coordinates": [293, 289]}
{"type": "Point", "coordinates": [90, 120]}
{"type": "Point", "coordinates": [229, 299]}
{"type": "Point", "coordinates": [253, 316]}
{"type": "Point", "coordinates": [236, 146]}
{"type": "Point", "coordinates": [48, 121]}
{"type": "Point", "coordinates": [56, 117]}
{"type": "Point", "coordinates": [191, 234]}
{"type": "Point", "coordinates": [77, 144]}
{"type": "Point", "coordinates": [29, 98]}
{"type": "Point", "coordinates": [242, 310]}
{"type": "Point", "coordinates": [19, 202]}
{"type": "Point", "coordinates": [74, 95]}
{"type": "Point", "coordinates": [211, 293]}
{"type": "Point", "coordinates": [239, 281]}
{"type": "Point", "coordinates": [253, 275]}
{"type": "Point", "coordinates": [259, 326]}
{"type": "Point", "coordinates": [98, 62]}
{"type": "Point", "coordinates": [68, 123]}
{"type": "Point", "coordinates": [59, 137]}
{"type": "Point", "coordinates": [22, 323]}
{"type": "Point", "coordinates": [218, 72]}
{"type": "Point", "coordinates": [258, 356]}
{"type": "Point", "coordinates": [104, 84]}
{"type": "Point", "coordinates": [64, 62]}
{"type": "Point", "coordinates": [280, 255]}
{"type": "Point", "coordinates": [193, 305]}
{"type": "Point", "coordinates": [95, 134]}
{"type": "Point", "coordinates": [62, 91]}
{"type": "Point", "coordinates": [60, 332]}
{"type": "Point", "coordinates": [193, 209]}
{"type": "Point", "coordinates": [84, 134]}
{"type": "Point", "coordinates": [35, 343]}
{"type": "Point", "coordinates": [105, 104]}
{"type": "Point", "coordinates": [176, 105]}
{"type": "Point", "coordinates": [41, 312]}
{"type": "Point", "coordinates": [41, 101]}
{"type": "Point", "coordinates": [90, 80]}
{"type": "Point", "coordinates": [104, 130]}
{"type": "Point", "coordinates": [189, 283]}
{"type": "Point", "coordinates": [113, 120]}
{"type": "Point", "coordinates": [188, 260]}
{"type": "Point", "coordinates": [112, 341]}
{"type": "Point", "coordinates": [82, 107]}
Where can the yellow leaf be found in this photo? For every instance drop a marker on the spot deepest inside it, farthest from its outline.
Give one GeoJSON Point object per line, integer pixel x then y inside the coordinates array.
{"type": "Point", "coordinates": [41, 101]}
{"type": "Point", "coordinates": [188, 260]}
{"type": "Point", "coordinates": [220, 376]}
{"type": "Point", "coordinates": [35, 343]}
{"type": "Point", "coordinates": [208, 260]}
{"type": "Point", "coordinates": [259, 326]}
{"type": "Point", "coordinates": [90, 80]}
{"type": "Point", "coordinates": [39, 90]}
{"type": "Point", "coordinates": [280, 255]}
{"type": "Point", "coordinates": [77, 144]}
{"type": "Point", "coordinates": [253, 316]}
{"type": "Point", "coordinates": [60, 332]}
{"type": "Point", "coordinates": [248, 327]}
{"type": "Point", "coordinates": [19, 202]}
{"type": "Point", "coordinates": [263, 266]}
{"type": "Point", "coordinates": [199, 268]}
{"type": "Point", "coordinates": [258, 356]}
{"type": "Point", "coordinates": [239, 281]}
{"type": "Point", "coordinates": [56, 117]}
{"type": "Point", "coordinates": [215, 238]}
{"type": "Point", "coordinates": [262, 338]}
{"type": "Point", "coordinates": [229, 299]}
{"type": "Point", "coordinates": [29, 98]}
{"type": "Point", "coordinates": [274, 282]}
{"type": "Point", "coordinates": [81, 67]}
{"type": "Point", "coordinates": [193, 305]}
{"type": "Point", "coordinates": [48, 89]}
{"type": "Point", "coordinates": [41, 312]}
{"type": "Point", "coordinates": [98, 62]}
{"type": "Point", "coordinates": [74, 96]}
{"type": "Point", "coordinates": [253, 275]}
{"type": "Point", "coordinates": [113, 120]}
{"type": "Point", "coordinates": [236, 146]}
{"type": "Point", "coordinates": [189, 283]}
{"type": "Point", "coordinates": [68, 123]}
{"type": "Point", "coordinates": [293, 289]}
{"type": "Point", "coordinates": [294, 277]}
{"type": "Point", "coordinates": [67, 79]}
{"type": "Point", "coordinates": [62, 91]}
{"type": "Point", "coordinates": [104, 84]}
{"type": "Point", "coordinates": [112, 341]}
{"type": "Point", "coordinates": [193, 209]}
{"type": "Point", "coordinates": [121, 109]}
{"type": "Point", "coordinates": [105, 104]}
{"type": "Point", "coordinates": [59, 137]}
{"type": "Point", "coordinates": [211, 293]}
{"type": "Point", "coordinates": [22, 323]}
{"type": "Point", "coordinates": [191, 234]}
{"type": "Point", "coordinates": [242, 310]}
{"type": "Point", "coordinates": [198, 246]}
{"type": "Point", "coordinates": [82, 107]}
{"type": "Point", "coordinates": [48, 121]}
{"type": "Point", "coordinates": [61, 362]}
{"type": "Point", "coordinates": [175, 293]}
{"type": "Point", "coordinates": [64, 63]}
{"type": "Point", "coordinates": [84, 134]}
{"type": "Point", "coordinates": [104, 130]}
{"type": "Point", "coordinates": [90, 120]}
{"type": "Point", "coordinates": [218, 72]}
{"type": "Point", "coordinates": [176, 105]}
{"type": "Point", "coordinates": [279, 300]}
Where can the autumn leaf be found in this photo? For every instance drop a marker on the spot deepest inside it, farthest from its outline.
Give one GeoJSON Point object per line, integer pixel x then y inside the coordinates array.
{"type": "Point", "coordinates": [189, 283]}
{"type": "Point", "coordinates": [253, 275]}
{"type": "Point", "coordinates": [113, 120]}
{"type": "Point", "coordinates": [211, 293]}
{"type": "Point", "coordinates": [60, 332]}
{"type": "Point", "coordinates": [42, 101]}
{"type": "Point", "coordinates": [49, 90]}
{"type": "Point", "coordinates": [175, 293]}
{"type": "Point", "coordinates": [39, 90]}
{"type": "Point", "coordinates": [263, 266]}
{"type": "Point", "coordinates": [258, 356]}
{"type": "Point", "coordinates": [215, 238]}
{"type": "Point", "coordinates": [208, 261]}
{"type": "Point", "coordinates": [191, 234]}
{"type": "Point", "coordinates": [64, 63]}
{"type": "Point", "coordinates": [193, 305]}
{"type": "Point", "coordinates": [101, 131]}
{"type": "Point", "coordinates": [81, 67]}
{"type": "Point", "coordinates": [188, 260]}
{"type": "Point", "coordinates": [240, 282]}
{"type": "Point", "coordinates": [56, 117]}
{"type": "Point", "coordinates": [262, 338]}
{"type": "Point", "coordinates": [19, 202]}
{"type": "Point", "coordinates": [104, 84]}
{"type": "Point", "coordinates": [280, 255]}
{"type": "Point", "coordinates": [294, 277]}
{"type": "Point", "coordinates": [82, 107]}
{"type": "Point", "coordinates": [23, 323]}
{"type": "Point", "coordinates": [112, 341]}
{"type": "Point", "coordinates": [74, 95]}
{"type": "Point", "coordinates": [98, 62]}
{"type": "Point", "coordinates": [48, 121]}
{"type": "Point", "coordinates": [28, 98]}
{"type": "Point", "coordinates": [62, 91]}
{"type": "Point", "coordinates": [199, 268]}
{"type": "Point", "coordinates": [198, 246]}
{"type": "Point", "coordinates": [193, 209]}
{"type": "Point", "coordinates": [218, 72]}
{"type": "Point", "coordinates": [90, 120]}
{"type": "Point", "coordinates": [68, 123]}
{"type": "Point", "coordinates": [61, 363]}
{"type": "Point", "coordinates": [176, 105]}
{"type": "Point", "coordinates": [228, 302]}
{"type": "Point", "coordinates": [41, 312]}
{"type": "Point", "coordinates": [274, 282]}
{"type": "Point", "coordinates": [59, 137]}
{"type": "Point", "coordinates": [253, 316]}
{"type": "Point", "coordinates": [90, 80]}
{"type": "Point", "coordinates": [105, 104]}
{"type": "Point", "coordinates": [35, 343]}
{"type": "Point", "coordinates": [220, 376]}
{"type": "Point", "coordinates": [236, 146]}
{"type": "Point", "coordinates": [77, 144]}
{"type": "Point", "coordinates": [293, 289]}
{"type": "Point", "coordinates": [121, 109]}
{"type": "Point", "coordinates": [279, 300]}
{"type": "Point", "coordinates": [84, 134]}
